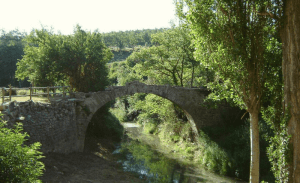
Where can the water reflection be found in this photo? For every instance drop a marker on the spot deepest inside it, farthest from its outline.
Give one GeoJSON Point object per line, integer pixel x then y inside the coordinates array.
{"type": "Point", "coordinates": [146, 156]}
{"type": "Point", "coordinates": [150, 165]}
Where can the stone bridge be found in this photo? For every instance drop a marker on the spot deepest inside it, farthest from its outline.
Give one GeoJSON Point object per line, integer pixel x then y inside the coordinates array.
{"type": "Point", "coordinates": [61, 125]}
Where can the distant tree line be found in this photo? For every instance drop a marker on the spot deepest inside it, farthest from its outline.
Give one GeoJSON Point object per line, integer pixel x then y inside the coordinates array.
{"type": "Point", "coordinates": [130, 38]}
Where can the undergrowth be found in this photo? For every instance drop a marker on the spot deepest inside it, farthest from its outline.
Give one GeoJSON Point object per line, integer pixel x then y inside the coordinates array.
{"type": "Point", "coordinates": [19, 162]}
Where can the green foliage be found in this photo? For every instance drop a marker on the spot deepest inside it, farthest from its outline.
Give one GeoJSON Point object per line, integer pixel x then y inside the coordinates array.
{"type": "Point", "coordinates": [169, 60]}
{"type": "Point", "coordinates": [280, 155]}
{"type": "Point", "coordinates": [130, 39]}
{"type": "Point", "coordinates": [234, 45]}
{"type": "Point", "coordinates": [79, 59]}
{"type": "Point", "coordinates": [213, 157]}
{"type": "Point", "coordinates": [119, 110]}
{"type": "Point", "coordinates": [232, 144]}
{"type": "Point", "coordinates": [11, 49]}
{"type": "Point", "coordinates": [225, 149]}
{"type": "Point", "coordinates": [121, 54]}
{"type": "Point", "coordinates": [37, 64]}
{"type": "Point", "coordinates": [150, 127]}
{"type": "Point", "coordinates": [280, 149]}
{"type": "Point", "coordinates": [242, 46]}
{"type": "Point", "coordinates": [120, 74]}
{"type": "Point", "coordinates": [155, 110]}
{"type": "Point", "coordinates": [18, 162]}
{"type": "Point", "coordinates": [160, 116]}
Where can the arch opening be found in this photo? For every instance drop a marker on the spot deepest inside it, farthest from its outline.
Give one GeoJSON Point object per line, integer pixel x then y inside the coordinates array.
{"type": "Point", "coordinates": [96, 120]}
{"type": "Point", "coordinates": [103, 125]}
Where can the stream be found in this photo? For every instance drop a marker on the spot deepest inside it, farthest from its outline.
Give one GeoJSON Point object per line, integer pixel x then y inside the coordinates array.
{"type": "Point", "coordinates": [144, 155]}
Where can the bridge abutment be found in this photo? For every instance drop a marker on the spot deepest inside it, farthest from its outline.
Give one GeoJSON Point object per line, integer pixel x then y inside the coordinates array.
{"type": "Point", "coordinates": [53, 124]}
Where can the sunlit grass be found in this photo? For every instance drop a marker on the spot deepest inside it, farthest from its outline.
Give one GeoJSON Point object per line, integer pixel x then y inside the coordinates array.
{"type": "Point", "coordinates": [40, 98]}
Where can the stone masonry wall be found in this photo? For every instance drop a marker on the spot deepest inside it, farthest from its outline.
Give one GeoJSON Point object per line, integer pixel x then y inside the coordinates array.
{"type": "Point", "coordinates": [54, 125]}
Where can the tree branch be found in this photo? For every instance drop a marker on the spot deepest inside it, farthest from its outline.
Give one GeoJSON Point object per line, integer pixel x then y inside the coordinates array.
{"type": "Point", "coordinates": [271, 15]}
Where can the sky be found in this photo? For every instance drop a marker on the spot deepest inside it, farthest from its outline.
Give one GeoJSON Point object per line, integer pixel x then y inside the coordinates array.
{"type": "Point", "coordinates": [104, 15]}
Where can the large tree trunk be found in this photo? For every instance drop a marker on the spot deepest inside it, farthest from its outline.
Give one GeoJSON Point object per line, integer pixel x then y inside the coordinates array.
{"type": "Point", "coordinates": [254, 139]}
{"type": "Point", "coordinates": [290, 35]}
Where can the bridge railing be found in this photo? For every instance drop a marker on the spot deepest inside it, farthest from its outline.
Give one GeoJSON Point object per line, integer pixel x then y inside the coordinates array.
{"type": "Point", "coordinates": [32, 92]}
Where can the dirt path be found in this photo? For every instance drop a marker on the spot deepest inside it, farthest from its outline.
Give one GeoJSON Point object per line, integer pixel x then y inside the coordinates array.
{"type": "Point", "coordinates": [95, 164]}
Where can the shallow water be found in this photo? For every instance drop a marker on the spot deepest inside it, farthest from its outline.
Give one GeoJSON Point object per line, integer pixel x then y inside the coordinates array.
{"type": "Point", "coordinates": [148, 164]}
{"type": "Point", "coordinates": [144, 155]}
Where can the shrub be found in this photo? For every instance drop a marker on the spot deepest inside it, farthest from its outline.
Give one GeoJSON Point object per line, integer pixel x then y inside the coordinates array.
{"type": "Point", "coordinates": [150, 128]}
{"type": "Point", "coordinates": [18, 162]}
{"type": "Point", "coordinates": [23, 92]}
{"type": "Point", "coordinates": [13, 92]}
{"type": "Point", "coordinates": [213, 157]}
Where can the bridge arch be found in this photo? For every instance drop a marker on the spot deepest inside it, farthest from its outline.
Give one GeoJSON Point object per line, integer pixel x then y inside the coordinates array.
{"type": "Point", "coordinates": [190, 100]}
{"type": "Point", "coordinates": [183, 97]}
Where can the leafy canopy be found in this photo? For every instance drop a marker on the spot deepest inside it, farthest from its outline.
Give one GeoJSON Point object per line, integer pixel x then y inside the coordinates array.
{"type": "Point", "coordinates": [170, 60]}
{"type": "Point", "coordinates": [234, 40]}
{"type": "Point", "coordinates": [79, 59]}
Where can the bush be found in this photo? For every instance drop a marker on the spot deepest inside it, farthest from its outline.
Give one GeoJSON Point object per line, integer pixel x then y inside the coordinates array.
{"type": "Point", "coordinates": [213, 157]}
{"type": "Point", "coordinates": [18, 162]}
{"type": "Point", "coordinates": [23, 92]}
{"type": "Point", "coordinates": [13, 92]}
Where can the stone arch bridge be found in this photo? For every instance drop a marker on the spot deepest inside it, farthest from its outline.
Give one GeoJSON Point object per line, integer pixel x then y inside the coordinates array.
{"type": "Point", "coordinates": [61, 125]}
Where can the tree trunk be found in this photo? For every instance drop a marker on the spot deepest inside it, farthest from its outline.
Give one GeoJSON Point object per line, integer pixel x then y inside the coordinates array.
{"type": "Point", "coordinates": [254, 139]}
{"type": "Point", "coordinates": [290, 35]}
{"type": "Point", "coordinates": [174, 77]}
{"type": "Point", "coordinates": [181, 74]}
{"type": "Point", "coordinates": [192, 76]}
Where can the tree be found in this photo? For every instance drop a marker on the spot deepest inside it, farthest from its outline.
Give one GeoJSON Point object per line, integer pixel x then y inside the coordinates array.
{"type": "Point", "coordinates": [11, 49]}
{"type": "Point", "coordinates": [232, 38]}
{"type": "Point", "coordinates": [147, 38]}
{"type": "Point", "coordinates": [36, 64]}
{"type": "Point", "coordinates": [83, 59]}
{"type": "Point", "coordinates": [169, 60]}
{"type": "Point", "coordinates": [132, 39]}
{"type": "Point", "coordinates": [79, 58]}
